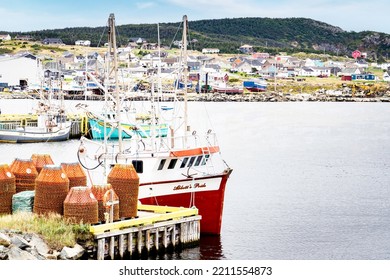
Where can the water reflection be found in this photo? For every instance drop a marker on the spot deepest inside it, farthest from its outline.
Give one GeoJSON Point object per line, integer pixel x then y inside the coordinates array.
{"type": "Point", "coordinates": [211, 248]}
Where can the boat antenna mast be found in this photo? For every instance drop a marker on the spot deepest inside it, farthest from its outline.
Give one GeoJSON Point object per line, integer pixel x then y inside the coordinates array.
{"type": "Point", "coordinates": [185, 77]}
{"type": "Point", "coordinates": [112, 49]}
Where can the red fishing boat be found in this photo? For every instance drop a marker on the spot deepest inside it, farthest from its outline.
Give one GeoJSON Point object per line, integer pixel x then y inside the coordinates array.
{"type": "Point", "coordinates": [183, 168]}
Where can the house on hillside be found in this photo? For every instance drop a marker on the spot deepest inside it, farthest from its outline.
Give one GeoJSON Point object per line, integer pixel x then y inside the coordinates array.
{"type": "Point", "coordinates": [346, 73]}
{"type": "Point", "coordinates": [171, 61]}
{"type": "Point", "coordinates": [246, 49]}
{"type": "Point", "coordinates": [52, 41]}
{"type": "Point", "coordinates": [23, 37]}
{"type": "Point", "coordinates": [149, 46]}
{"type": "Point", "coordinates": [260, 55]}
{"type": "Point", "coordinates": [321, 72]}
{"type": "Point", "coordinates": [335, 70]}
{"type": "Point", "coordinates": [132, 45]}
{"type": "Point", "coordinates": [194, 65]}
{"type": "Point", "coordinates": [212, 67]}
{"type": "Point", "coordinates": [137, 40]}
{"type": "Point", "coordinates": [313, 63]}
{"type": "Point", "coordinates": [210, 50]}
{"type": "Point", "coordinates": [305, 72]}
{"type": "Point", "coordinates": [314, 72]}
{"type": "Point", "coordinates": [68, 60]}
{"type": "Point", "coordinates": [5, 37]}
{"type": "Point", "coordinates": [245, 67]}
{"type": "Point", "coordinates": [268, 70]}
{"type": "Point", "coordinates": [85, 43]}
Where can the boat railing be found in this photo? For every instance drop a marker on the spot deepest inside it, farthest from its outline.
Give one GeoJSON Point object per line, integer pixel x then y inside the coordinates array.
{"type": "Point", "coordinates": [136, 145]}
{"type": "Point", "coordinates": [194, 140]}
{"type": "Point", "coordinates": [16, 125]}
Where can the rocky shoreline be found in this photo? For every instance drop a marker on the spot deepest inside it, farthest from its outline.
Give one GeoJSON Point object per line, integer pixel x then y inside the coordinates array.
{"type": "Point", "coordinates": [304, 97]}
{"type": "Point", "coordinates": [344, 94]}
{"type": "Point", "coordinates": [29, 246]}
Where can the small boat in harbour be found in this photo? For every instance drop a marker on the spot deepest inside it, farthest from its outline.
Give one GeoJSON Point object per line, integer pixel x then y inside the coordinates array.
{"type": "Point", "coordinates": [224, 88]}
{"type": "Point", "coordinates": [257, 85]}
{"type": "Point", "coordinates": [51, 126]}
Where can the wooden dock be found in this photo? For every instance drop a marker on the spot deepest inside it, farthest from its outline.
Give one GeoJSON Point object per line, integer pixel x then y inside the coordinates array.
{"type": "Point", "coordinates": [156, 230]}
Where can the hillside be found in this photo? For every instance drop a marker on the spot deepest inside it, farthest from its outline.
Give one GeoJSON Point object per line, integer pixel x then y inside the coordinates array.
{"type": "Point", "coordinates": [264, 34]}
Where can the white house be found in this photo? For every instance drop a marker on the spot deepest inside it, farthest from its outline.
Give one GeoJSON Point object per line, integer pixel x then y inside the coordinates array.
{"type": "Point", "coordinates": [23, 69]}
{"type": "Point", "coordinates": [210, 50]}
{"type": "Point", "coordinates": [150, 61]}
{"type": "Point", "coordinates": [305, 72]}
{"type": "Point", "coordinates": [5, 37]}
{"type": "Point", "coordinates": [85, 43]}
{"type": "Point", "coordinates": [321, 71]}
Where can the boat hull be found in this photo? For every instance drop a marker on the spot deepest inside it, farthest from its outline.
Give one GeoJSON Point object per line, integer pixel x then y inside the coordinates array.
{"type": "Point", "coordinates": [97, 128]}
{"type": "Point", "coordinates": [255, 86]}
{"type": "Point", "coordinates": [208, 198]}
{"type": "Point", "coordinates": [256, 89]}
{"type": "Point", "coordinates": [33, 137]}
{"type": "Point", "coordinates": [99, 131]}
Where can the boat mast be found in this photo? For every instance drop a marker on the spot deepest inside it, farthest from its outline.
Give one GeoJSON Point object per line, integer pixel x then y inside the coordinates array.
{"type": "Point", "coordinates": [112, 49]}
{"type": "Point", "coordinates": [185, 73]}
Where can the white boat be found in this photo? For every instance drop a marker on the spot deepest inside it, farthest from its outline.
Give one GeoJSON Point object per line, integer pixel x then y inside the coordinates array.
{"type": "Point", "coordinates": [184, 168]}
{"type": "Point", "coordinates": [51, 127]}
{"type": "Point", "coordinates": [35, 134]}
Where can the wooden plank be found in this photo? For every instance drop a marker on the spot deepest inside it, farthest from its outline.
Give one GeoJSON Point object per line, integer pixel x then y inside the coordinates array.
{"type": "Point", "coordinates": [139, 242]}
{"type": "Point", "coordinates": [165, 238]}
{"type": "Point", "coordinates": [157, 239]}
{"type": "Point", "coordinates": [112, 247]}
{"type": "Point", "coordinates": [130, 243]}
{"type": "Point", "coordinates": [173, 236]}
{"type": "Point", "coordinates": [101, 249]}
{"type": "Point", "coordinates": [147, 240]}
{"type": "Point", "coordinates": [121, 243]}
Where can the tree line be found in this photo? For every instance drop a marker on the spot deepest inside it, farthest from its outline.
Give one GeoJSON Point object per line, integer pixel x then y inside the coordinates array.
{"type": "Point", "coordinates": [264, 34]}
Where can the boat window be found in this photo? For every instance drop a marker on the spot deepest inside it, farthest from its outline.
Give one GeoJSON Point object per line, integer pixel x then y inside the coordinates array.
{"type": "Point", "coordinates": [162, 162]}
{"type": "Point", "coordinates": [138, 165]}
{"type": "Point", "coordinates": [184, 162]}
{"type": "Point", "coordinates": [172, 163]}
{"type": "Point", "coordinates": [198, 160]}
{"type": "Point", "coordinates": [191, 161]}
{"type": "Point", "coordinates": [206, 157]}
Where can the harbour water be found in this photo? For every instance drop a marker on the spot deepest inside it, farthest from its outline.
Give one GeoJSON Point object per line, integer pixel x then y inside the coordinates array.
{"type": "Point", "coordinates": [311, 180]}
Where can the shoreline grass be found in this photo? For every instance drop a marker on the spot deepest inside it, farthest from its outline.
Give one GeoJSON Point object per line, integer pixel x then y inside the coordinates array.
{"type": "Point", "coordinates": [53, 228]}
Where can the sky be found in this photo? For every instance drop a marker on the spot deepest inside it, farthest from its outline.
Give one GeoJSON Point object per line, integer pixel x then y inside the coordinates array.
{"type": "Point", "coordinates": [35, 15]}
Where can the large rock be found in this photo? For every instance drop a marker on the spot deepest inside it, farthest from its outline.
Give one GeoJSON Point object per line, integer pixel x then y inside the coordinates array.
{"type": "Point", "coordinates": [20, 242]}
{"type": "Point", "coordinates": [4, 240]}
{"type": "Point", "coordinates": [15, 253]}
{"type": "Point", "coordinates": [74, 253]}
{"type": "Point", "coordinates": [39, 244]}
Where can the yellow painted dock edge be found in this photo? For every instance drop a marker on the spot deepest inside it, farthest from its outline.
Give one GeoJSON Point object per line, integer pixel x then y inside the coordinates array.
{"type": "Point", "coordinates": [163, 213]}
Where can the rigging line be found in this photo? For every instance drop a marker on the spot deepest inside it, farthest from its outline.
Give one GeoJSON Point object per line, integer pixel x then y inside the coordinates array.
{"type": "Point", "coordinates": [208, 116]}
{"type": "Point", "coordinates": [170, 46]}
{"type": "Point", "coordinates": [192, 199]}
{"type": "Point", "coordinates": [189, 36]}
{"type": "Point", "coordinates": [118, 36]}
{"type": "Point", "coordinates": [101, 36]}
{"type": "Point", "coordinates": [90, 178]}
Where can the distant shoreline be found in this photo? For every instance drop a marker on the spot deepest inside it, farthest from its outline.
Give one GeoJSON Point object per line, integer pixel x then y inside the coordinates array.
{"type": "Point", "coordinates": [345, 95]}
